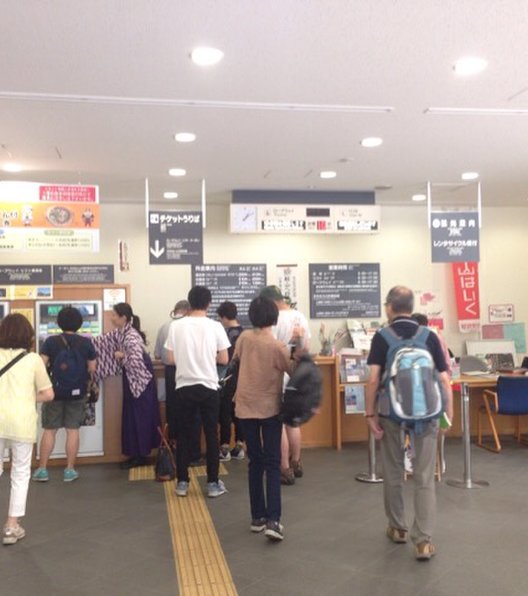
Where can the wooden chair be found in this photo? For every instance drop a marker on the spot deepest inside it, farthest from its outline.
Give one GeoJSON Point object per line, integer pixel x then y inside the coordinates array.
{"type": "Point", "coordinates": [509, 399]}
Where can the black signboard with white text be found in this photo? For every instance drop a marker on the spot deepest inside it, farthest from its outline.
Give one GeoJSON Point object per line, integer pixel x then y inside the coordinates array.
{"type": "Point", "coordinates": [175, 238]}
{"type": "Point", "coordinates": [25, 275]}
{"type": "Point", "coordinates": [83, 274]}
{"type": "Point", "coordinates": [236, 283]}
{"type": "Point", "coordinates": [345, 290]}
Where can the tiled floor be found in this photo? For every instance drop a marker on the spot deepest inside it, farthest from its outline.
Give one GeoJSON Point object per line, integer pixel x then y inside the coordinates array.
{"type": "Point", "coordinates": [105, 535]}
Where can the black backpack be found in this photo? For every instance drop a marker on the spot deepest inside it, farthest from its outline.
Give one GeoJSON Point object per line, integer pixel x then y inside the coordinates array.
{"type": "Point", "coordinates": [68, 371]}
{"type": "Point", "coordinates": [303, 393]}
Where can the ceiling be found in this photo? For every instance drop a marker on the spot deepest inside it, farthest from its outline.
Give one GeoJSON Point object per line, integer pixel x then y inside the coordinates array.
{"type": "Point", "coordinates": [92, 92]}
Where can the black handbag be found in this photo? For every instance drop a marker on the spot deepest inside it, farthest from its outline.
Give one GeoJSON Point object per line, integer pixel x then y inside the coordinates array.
{"type": "Point", "coordinates": [165, 466]}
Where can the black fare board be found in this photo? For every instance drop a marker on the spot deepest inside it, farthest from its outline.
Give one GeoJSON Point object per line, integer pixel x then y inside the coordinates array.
{"type": "Point", "coordinates": [83, 274]}
{"type": "Point", "coordinates": [345, 291]}
{"type": "Point", "coordinates": [25, 275]}
{"type": "Point", "coordinates": [236, 283]}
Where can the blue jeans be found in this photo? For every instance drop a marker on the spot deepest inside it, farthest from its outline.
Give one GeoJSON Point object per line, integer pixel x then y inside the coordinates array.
{"type": "Point", "coordinates": [263, 441]}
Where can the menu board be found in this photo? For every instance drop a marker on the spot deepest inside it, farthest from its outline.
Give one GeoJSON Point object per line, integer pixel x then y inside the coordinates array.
{"type": "Point", "coordinates": [236, 283]}
{"type": "Point", "coordinates": [345, 290]}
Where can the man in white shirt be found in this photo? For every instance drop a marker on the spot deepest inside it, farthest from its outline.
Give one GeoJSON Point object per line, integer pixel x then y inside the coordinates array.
{"type": "Point", "coordinates": [292, 327]}
{"type": "Point", "coordinates": [196, 344]}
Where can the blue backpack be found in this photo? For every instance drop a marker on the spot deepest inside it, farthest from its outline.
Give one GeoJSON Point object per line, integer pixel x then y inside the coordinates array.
{"type": "Point", "coordinates": [68, 372]}
{"type": "Point", "coordinates": [410, 390]}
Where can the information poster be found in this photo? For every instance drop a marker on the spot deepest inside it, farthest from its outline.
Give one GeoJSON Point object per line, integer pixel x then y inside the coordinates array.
{"type": "Point", "coordinates": [345, 291]}
{"type": "Point", "coordinates": [287, 280]}
{"type": "Point", "coordinates": [455, 237]}
{"type": "Point", "coordinates": [37, 216]}
{"type": "Point", "coordinates": [236, 283]}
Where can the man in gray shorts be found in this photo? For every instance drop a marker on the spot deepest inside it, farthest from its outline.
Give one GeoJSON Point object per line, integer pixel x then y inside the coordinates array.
{"type": "Point", "coordinates": [70, 359]}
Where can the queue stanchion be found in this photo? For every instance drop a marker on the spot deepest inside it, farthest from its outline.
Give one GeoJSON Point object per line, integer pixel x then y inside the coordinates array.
{"type": "Point", "coordinates": [370, 477]}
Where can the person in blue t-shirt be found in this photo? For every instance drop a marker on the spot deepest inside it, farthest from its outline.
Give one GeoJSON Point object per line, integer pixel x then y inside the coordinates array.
{"type": "Point", "coordinates": [67, 409]}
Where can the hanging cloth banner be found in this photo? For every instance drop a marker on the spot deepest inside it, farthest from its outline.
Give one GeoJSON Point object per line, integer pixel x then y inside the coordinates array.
{"type": "Point", "coordinates": [466, 283]}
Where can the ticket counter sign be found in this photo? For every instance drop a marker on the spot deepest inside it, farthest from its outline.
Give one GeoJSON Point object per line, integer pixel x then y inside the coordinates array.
{"type": "Point", "coordinates": [175, 238]}
{"type": "Point", "coordinates": [48, 217]}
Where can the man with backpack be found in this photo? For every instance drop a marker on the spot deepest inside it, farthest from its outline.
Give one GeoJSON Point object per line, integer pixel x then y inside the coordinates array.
{"type": "Point", "coordinates": [408, 391]}
{"type": "Point", "coordinates": [70, 359]}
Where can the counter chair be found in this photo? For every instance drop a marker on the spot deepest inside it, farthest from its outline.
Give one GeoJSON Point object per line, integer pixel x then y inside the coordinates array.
{"type": "Point", "coordinates": [509, 399]}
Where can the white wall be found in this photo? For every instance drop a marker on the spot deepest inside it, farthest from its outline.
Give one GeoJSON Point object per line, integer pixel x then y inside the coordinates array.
{"type": "Point", "coordinates": [402, 248]}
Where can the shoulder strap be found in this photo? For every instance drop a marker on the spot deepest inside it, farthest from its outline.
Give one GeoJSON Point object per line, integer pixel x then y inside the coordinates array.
{"type": "Point", "coordinates": [390, 336]}
{"type": "Point", "coordinates": [12, 362]}
{"type": "Point", "coordinates": [422, 333]}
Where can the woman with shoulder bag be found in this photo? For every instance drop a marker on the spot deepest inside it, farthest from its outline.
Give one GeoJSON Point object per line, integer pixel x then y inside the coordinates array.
{"type": "Point", "coordinates": [24, 381]}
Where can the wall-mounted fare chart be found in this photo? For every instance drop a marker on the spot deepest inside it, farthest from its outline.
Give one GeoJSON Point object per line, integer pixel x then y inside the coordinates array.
{"type": "Point", "coordinates": [345, 290]}
{"type": "Point", "coordinates": [236, 283]}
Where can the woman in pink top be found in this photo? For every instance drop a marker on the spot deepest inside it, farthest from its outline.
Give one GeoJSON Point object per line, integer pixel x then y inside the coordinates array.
{"type": "Point", "coordinates": [263, 362]}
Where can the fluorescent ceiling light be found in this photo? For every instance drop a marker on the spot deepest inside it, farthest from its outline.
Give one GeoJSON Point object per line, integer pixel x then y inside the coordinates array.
{"type": "Point", "coordinates": [470, 176]}
{"type": "Point", "coordinates": [371, 142]}
{"type": "Point", "coordinates": [419, 198]}
{"type": "Point", "coordinates": [177, 172]}
{"type": "Point", "coordinates": [185, 137]}
{"type": "Point", "coordinates": [205, 56]}
{"type": "Point", "coordinates": [328, 174]}
{"type": "Point", "coordinates": [476, 111]}
{"type": "Point", "coordinates": [12, 167]}
{"type": "Point", "coordinates": [170, 195]}
{"type": "Point", "coordinates": [195, 103]}
{"type": "Point", "coordinates": [469, 65]}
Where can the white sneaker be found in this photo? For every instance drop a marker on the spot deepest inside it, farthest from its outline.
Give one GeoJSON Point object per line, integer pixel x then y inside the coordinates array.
{"type": "Point", "coordinates": [215, 489]}
{"type": "Point", "coordinates": [182, 488]}
{"type": "Point", "coordinates": [12, 535]}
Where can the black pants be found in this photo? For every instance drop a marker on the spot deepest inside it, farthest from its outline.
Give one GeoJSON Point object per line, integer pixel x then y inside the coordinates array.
{"type": "Point", "coordinates": [227, 417]}
{"type": "Point", "coordinates": [191, 400]}
{"type": "Point", "coordinates": [174, 415]}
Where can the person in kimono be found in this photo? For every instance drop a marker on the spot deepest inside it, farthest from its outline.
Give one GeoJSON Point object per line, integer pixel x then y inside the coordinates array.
{"type": "Point", "coordinates": [123, 351]}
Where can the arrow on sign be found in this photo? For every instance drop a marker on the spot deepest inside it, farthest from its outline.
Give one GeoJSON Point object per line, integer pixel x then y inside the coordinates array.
{"type": "Point", "coordinates": [157, 251]}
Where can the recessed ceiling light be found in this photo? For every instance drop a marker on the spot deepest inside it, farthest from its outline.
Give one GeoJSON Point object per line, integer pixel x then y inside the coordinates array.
{"type": "Point", "coordinates": [205, 56]}
{"type": "Point", "coordinates": [12, 167]}
{"type": "Point", "coordinates": [328, 174]}
{"type": "Point", "coordinates": [418, 198]}
{"type": "Point", "coordinates": [170, 195]}
{"type": "Point", "coordinates": [470, 175]}
{"type": "Point", "coordinates": [371, 142]}
{"type": "Point", "coordinates": [469, 65]}
{"type": "Point", "coordinates": [185, 137]}
{"type": "Point", "coordinates": [177, 172]}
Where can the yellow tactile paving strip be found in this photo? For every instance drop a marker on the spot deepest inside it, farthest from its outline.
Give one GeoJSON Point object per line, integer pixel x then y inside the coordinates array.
{"type": "Point", "coordinates": [201, 567]}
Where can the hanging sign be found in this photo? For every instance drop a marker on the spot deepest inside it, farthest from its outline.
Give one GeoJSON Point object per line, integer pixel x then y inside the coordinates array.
{"type": "Point", "coordinates": [454, 237]}
{"type": "Point", "coordinates": [175, 238]}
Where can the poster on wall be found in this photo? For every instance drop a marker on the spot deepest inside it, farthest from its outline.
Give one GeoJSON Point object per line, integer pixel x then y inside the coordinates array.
{"type": "Point", "coordinates": [514, 331]}
{"type": "Point", "coordinates": [501, 313]}
{"type": "Point", "coordinates": [235, 283]}
{"type": "Point", "coordinates": [288, 282]}
{"type": "Point", "coordinates": [429, 303]}
{"type": "Point", "coordinates": [36, 216]}
{"type": "Point", "coordinates": [344, 290]}
{"type": "Point", "coordinates": [175, 238]}
{"type": "Point", "coordinates": [454, 236]}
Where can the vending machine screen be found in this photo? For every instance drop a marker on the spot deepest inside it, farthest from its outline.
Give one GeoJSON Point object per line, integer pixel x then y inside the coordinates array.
{"type": "Point", "coordinates": [47, 313]}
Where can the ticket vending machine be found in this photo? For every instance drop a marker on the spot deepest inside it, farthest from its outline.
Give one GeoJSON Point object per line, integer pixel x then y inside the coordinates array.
{"type": "Point", "coordinates": [91, 434]}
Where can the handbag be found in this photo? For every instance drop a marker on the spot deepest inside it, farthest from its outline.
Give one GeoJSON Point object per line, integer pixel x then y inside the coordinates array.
{"type": "Point", "coordinates": [165, 466]}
